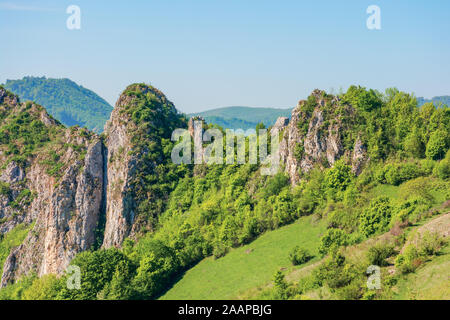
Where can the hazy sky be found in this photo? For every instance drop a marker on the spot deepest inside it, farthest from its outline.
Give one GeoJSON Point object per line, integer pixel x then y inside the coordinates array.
{"type": "Point", "coordinates": [212, 53]}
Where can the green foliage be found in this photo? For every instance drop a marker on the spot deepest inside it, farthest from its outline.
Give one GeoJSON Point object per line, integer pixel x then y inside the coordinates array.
{"type": "Point", "coordinates": [299, 256]}
{"type": "Point", "coordinates": [311, 194]}
{"type": "Point", "coordinates": [275, 184]}
{"type": "Point", "coordinates": [416, 252]}
{"type": "Point", "coordinates": [5, 189]}
{"type": "Point", "coordinates": [408, 261]}
{"type": "Point", "coordinates": [12, 239]}
{"type": "Point", "coordinates": [362, 99]}
{"type": "Point", "coordinates": [65, 100]}
{"type": "Point", "coordinates": [332, 239]}
{"type": "Point", "coordinates": [437, 145]}
{"type": "Point", "coordinates": [345, 218]}
{"type": "Point", "coordinates": [413, 144]}
{"type": "Point", "coordinates": [196, 212]}
{"type": "Point", "coordinates": [157, 263]}
{"type": "Point", "coordinates": [334, 271]}
{"type": "Point", "coordinates": [430, 243]}
{"type": "Point", "coordinates": [98, 270]}
{"type": "Point", "coordinates": [376, 217]}
{"type": "Point", "coordinates": [378, 253]}
{"type": "Point", "coordinates": [299, 151]}
{"type": "Point", "coordinates": [442, 169]}
{"type": "Point", "coordinates": [338, 177]}
{"type": "Point", "coordinates": [23, 133]}
{"type": "Point", "coordinates": [280, 285]}
{"type": "Point", "coordinates": [48, 287]}
{"type": "Point", "coordinates": [157, 176]}
{"type": "Point", "coordinates": [399, 172]}
{"type": "Point", "coordinates": [16, 290]}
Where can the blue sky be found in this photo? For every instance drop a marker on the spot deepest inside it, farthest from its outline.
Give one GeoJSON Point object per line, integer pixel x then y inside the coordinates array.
{"type": "Point", "coordinates": [205, 54]}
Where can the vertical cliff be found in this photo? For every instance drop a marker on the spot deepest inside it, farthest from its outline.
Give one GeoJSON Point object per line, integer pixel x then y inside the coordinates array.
{"type": "Point", "coordinates": [142, 121]}
{"type": "Point", "coordinates": [55, 178]}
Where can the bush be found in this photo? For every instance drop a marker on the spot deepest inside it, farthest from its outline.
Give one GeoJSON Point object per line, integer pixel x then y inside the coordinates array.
{"type": "Point", "coordinates": [427, 166]}
{"type": "Point", "coordinates": [338, 177]}
{"type": "Point", "coordinates": [436, 147]}
{"type": "Point", "coordinates": [275, 184]}
{"type": "Point", "coordinates": [299, 256]}
{"type": "Point", "coordinates": [334, 272]}
{"type": "Point", "coordinates": [44, 288]}
{"type": "Point", "coordinates": [395, 174]}
{"type": "Point", "coordinates": [98, 269]}
{"type": "Point", "coordinates": [426, 244]}
{"type": "Point", "coordinates": [430, 243]}
{"type": "Point", "coordinates": [408, 261]}
{"type": "Point", "coordinates": [376, 217]}
{"type": "Point", "coordinates": [442, 169]}
{"type": "Point", "coordinates": [417, 188]}
{"type": "Point", "coordinates": [343, 218]}
{"type": "Point", "coordinates": [378, 254]}
{"type": "Point", "coordinates": [5, 189]}
{"type": "Point", "coordinates": [332, 238]}
{"type": "Point", "coordinates": [281, 286]}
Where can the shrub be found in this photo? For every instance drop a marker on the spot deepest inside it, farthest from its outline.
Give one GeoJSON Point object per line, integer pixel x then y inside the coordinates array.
{"type": "Point", "coordinates": [334, 272]}
{"type": "Point", "coordinates": [280, 285]}
{"type": "Point", "coordinates": [436, 146]}
{"type": "Point", "coordinates": [427, 166]}
{"type": "Point", "coordinates": [376, 217]}
{"type": "Point", "coordinates": [378, 254]}
{"type": "Point", "coordinates": [98, 269]}
{"type": "Point", "coordinates": [4, 189]}
{"type": "Point", "coordinates": [332, 238]}
{"type": "Point", "coordinates": [343, 218]}
{"type": "Point", "coordinates": [44, 288]}
{"type": "Point", "coordinates": [408, 261]}
{"type": "Point", "coordinates": [275, 184]}
{"type": "Point", "coordinates": [395, 174]}
{"type": "Point", "coordinates": [299, 256]}
{"type": "Point", "coordinates": [430, 243]}
{"type": "Point", "coordinates": [338, 177]}
{"type": "Point", "coordinates": [417, 188]}
{"type": "Point", "coordinates": [442, 169]}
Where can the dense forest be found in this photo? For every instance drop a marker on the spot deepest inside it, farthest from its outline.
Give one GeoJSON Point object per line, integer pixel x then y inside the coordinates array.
{"type": "Point", "coordinates": [192, 212]}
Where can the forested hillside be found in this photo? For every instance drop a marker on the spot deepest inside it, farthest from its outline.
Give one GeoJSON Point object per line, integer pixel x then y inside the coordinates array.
{"type": "Point", "coordinates": [65, 100]}
{"type": "Point", "coordinates": [365, 168]}
{"type": "Point", "coordinates": [243, 117]}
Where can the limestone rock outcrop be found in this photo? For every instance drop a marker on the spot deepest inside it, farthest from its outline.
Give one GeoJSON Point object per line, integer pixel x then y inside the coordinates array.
{"type": "Point", "coordinates": [311, 139]}
{"type": "Point", "coordinates": [64, 205]}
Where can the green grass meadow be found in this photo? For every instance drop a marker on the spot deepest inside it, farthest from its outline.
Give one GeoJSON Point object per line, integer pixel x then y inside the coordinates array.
{"type": "Point", "coordinates": [249, 266]}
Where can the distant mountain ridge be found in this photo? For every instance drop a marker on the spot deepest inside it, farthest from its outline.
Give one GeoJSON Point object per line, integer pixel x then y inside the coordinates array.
{"type": "Point", "coordinates": [65, 100]}
{"type": "Point", "coordinates": [435, 100]}
{"type": "Point", "coordinates": [237, 117]}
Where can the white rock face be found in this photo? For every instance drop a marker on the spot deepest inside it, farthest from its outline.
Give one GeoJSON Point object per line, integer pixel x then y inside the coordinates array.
{"type": "Point", "coordinates": [120, 204]}
{"type": "Point", "coordinates": [322, 143]}
{"type": "Point", "coordinates": [66, 215]}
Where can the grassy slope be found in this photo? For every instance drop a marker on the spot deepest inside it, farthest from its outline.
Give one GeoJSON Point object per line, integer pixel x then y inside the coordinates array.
{"type": "Point", "coordinates": [249, 266]}
{"type": "Point", "coordinates": [430, 282]}
{"type": "Point", "coordinates": [241, 275]}
{"type": "Point", "coordinates": [11, 240]}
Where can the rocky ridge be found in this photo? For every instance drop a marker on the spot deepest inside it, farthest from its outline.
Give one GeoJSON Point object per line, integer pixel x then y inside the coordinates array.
{"type": "Point", "coordinates": [97, 181]}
